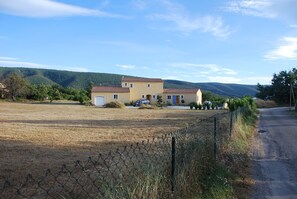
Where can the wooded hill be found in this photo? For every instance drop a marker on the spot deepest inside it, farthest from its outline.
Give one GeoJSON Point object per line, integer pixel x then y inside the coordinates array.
{"type": "Point", "coordinates": [83, 79]}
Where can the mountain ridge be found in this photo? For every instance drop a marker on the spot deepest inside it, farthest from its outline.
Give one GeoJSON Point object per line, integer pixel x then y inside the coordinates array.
{"type": "Point", "coordinates": [83, 79]}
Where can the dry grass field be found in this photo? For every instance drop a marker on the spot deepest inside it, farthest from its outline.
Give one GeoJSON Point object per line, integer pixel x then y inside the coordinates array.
{"type": "Point", "coordinates": [34, 137]}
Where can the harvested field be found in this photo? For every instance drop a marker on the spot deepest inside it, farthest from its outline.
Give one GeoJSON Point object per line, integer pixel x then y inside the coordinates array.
{"type": "Point", "coordinates": [34, 137]}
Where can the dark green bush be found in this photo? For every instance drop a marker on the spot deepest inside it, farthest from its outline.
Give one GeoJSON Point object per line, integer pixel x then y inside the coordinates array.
{"type": "Point", "coordinates": [193, 105]}
{"type": "Point", "coordinates": [114, 105]}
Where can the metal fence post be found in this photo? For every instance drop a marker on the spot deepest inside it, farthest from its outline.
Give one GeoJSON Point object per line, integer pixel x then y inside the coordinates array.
{"type": "Point", "coordinates": [231, 123]}
{"type": "Point", "coordinates": [173, 164]}
{"type": "Point", "coordinates": [215, 137]}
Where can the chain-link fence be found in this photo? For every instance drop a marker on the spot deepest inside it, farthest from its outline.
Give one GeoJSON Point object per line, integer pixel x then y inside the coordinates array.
{"type": "Point", "coordinates": [164, 167]}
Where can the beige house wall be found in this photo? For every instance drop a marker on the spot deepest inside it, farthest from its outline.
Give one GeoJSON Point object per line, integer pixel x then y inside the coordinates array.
{"type": "Point", "coordinates": [109, 97]}
{"type": "Point", "coordinates": [187, 97]}
{"type": "Point", "coordinates": [199, 97]}
{"type": "Point", "coordinates": [142, 90]}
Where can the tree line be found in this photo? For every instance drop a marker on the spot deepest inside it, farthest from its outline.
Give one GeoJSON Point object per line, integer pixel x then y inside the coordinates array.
{"type": "Point", "coordinates": [283, 88]}
{"type": "Point", "coordinates": [15, 87]}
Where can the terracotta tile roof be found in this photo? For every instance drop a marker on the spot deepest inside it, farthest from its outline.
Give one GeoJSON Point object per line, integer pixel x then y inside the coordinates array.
{"type": "Point", "coordinates": [180, 91]}
{"type": "Point", "coordinates": [128, 79]}
{"type": "Point", "coordinates": [109, 89]}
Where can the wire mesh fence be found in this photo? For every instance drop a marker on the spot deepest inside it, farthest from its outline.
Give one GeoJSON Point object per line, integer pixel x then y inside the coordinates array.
{"type": "Point", "coordinates": [164, 167]}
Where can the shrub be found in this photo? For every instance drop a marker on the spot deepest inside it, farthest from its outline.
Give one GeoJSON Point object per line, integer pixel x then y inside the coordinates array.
{"type": "Point", "coordinates": [212, 106]}
{"type": "Point", "coordinates": [159, 100]}
{"type": "Point", "coordinates": [265, 104]}
{"type": "Point", "coordinates": [193, 105]}
{"type": "Point", "coordinates": [147, 106]}
{"type": "Point", "coordinates": [88, 103]}
{"type": "Point", "coordinates": [114, 105]}
{"type": "Point", "coordinates": [168, 104]}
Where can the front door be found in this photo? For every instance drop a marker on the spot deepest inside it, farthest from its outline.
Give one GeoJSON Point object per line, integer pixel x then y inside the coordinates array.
{"type": "Point", "coordinates": [148, 97]}
{"type": "Point", "coordinates": [177, 100]}
{"type": "Point", "coordinates": [174, 99]}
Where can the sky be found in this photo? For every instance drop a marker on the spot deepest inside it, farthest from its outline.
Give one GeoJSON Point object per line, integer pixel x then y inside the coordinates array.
{"type": "Point", "coordinates": [226, 41]}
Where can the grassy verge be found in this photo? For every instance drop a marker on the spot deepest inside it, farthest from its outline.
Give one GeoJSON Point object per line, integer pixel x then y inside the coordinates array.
{"type": "Point", "coordinates": [230, 176]}
{"type": "Point", "coordinates": [198, 174]}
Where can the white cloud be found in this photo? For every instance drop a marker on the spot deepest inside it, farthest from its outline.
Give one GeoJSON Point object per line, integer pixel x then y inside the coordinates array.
{"type": "Point", "coordinates": [182, 21]}
{"type": "Point", "coordinates": [13, 62]}
{"type": "Point", "coordinates": [133, 47]}
{"type": "Point", "coordinates": [140, 4]}
{"type": "Point", "coordinates": [8, 58]}
{"type": "Point", "coordinates": [259, 8]}
{"type": "Point", "coordinates": [130, 67]}
{"type": "Point", "coordinates": [75, 69]}
{"type": "Point", "coordinates": [211, 73]}
{"type": "Point", "coordinates": [47, 8]}
{"type": "Point", "coordinates": [241, 80]}
{"type": "Point", "coordinates": [260, 79]}
{"type": "Point", "coordinates": [204, 68]}
{"type": "Point", "coordinates": [224, 79]}
{"type": "Point", "coordinates": [283, 9]}
{"type": "Point", "coordinates": [125, 67]}
{"type": "Point", "coordinates": [288, 50]}
{"type": "Point", "coordinates": [229, 71]}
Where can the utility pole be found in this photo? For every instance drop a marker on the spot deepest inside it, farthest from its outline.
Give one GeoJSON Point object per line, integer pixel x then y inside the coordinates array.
{"type": "Point", "coordinates": [290, 96]}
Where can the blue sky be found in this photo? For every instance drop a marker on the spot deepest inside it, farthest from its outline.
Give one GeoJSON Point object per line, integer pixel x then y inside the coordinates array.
{"type": "Point", "coordinates": [227, 41]}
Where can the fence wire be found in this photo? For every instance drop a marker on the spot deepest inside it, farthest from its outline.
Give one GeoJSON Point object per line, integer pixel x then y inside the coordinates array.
{"type": "Point", "coordinates": [161, 167]}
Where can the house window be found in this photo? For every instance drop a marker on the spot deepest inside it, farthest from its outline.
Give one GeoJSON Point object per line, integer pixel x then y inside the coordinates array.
{"type": "Point", "coordinates": [169, 97]}
{"type": "Point", "coordinates": [148, 85]}
{"type": "Point", "coordinates": [131, 85]}
{"type": "Point", "coordinates": [154, 96]}
{"type": "Point", "coordinates": [126, 84]}
{"type": "Point", "coordinates": [142, 96]}
{"type": "Point", "coordinates": [115, 96]}
{"type": "Point", "coordinates": [182, 97]}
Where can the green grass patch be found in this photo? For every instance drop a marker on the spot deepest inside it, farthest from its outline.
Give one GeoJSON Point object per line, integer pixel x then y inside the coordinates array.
{"type": "Point", "coordinates": [230, 176]}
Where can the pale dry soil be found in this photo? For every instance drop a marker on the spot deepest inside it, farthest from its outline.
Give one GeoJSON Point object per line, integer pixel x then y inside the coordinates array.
{"type": "Point", "coordinates": [34, 137]}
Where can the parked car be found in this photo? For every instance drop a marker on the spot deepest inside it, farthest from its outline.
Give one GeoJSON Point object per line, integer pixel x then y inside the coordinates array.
{"type": "Point", "coordinates": [140, 102]}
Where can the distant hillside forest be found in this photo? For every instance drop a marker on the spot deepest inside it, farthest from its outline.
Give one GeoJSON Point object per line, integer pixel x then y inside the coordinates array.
{"type": "Point", "coordinates": [82, 80]}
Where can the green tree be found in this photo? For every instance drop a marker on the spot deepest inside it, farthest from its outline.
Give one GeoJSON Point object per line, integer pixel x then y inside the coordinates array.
{"type": "Point", "coordinates": [216, 100]}
{"type": "Point", "coordinates": [159, 100]}
{"type": "Point", "coordinates": [16, 86]}
{"type": "Point", "coordinates": [83, 96]}
{"type": "Point", "coordinates": [38, 92]}
{"type": "Point", "coordinates": [54, 93]}
{"type": "Point", "coordinates": [264, 91]}
{"type": "Point", "coordinates": [89, 89]}
{"type": "Point", "coordinates": [283, 86]}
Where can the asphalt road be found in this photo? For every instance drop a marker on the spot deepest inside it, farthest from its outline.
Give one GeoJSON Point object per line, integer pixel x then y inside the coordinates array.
{"type": "Point", "coordinates": [275, 155]}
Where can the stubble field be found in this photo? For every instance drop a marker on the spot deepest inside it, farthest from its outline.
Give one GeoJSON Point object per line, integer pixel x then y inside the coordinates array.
{"type": "Point", "coordinates": [34, 137]}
